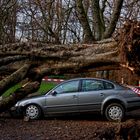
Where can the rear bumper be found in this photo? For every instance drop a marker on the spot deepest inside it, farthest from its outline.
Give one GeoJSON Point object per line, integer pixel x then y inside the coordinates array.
{"type": "Point", "coordinates": [133, 108]}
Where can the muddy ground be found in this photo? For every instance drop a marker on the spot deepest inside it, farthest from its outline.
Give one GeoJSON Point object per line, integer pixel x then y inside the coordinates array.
{"type": "Point", "coordinates": [87, 127]}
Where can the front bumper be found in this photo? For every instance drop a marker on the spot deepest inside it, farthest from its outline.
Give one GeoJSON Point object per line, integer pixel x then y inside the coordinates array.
{"type": "Point", "coordinates": [16, 111]}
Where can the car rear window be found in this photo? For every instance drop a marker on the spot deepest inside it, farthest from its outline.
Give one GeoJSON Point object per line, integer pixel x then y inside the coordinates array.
{"type": "Point", "coordinates": [108, 85]}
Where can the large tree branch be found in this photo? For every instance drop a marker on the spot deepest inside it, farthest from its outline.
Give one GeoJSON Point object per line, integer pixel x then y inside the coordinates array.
{"type": "Point", "coordinates": [8, 102]}
{"type": "Point", "coordinates": [10, 59]}
{"type": "Point", "coordinates": [14, 78]}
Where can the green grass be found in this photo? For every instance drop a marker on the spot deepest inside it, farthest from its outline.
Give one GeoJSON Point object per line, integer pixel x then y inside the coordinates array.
{"type": "Point", "coordinates": [44, 87]}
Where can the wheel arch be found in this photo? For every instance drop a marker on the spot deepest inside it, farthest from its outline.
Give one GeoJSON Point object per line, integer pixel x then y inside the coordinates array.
{"type": "Point", "coordinates": [104, 106]}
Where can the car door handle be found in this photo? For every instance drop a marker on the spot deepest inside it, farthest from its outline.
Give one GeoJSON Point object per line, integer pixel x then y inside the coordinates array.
{"type": "Point", "coordinates": [75, 96]}
{"type": "Point", "coordinates": [101, 94]}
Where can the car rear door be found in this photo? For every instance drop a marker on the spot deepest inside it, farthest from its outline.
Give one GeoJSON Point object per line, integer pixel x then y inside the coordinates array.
{"type": "Point", "coordinates": [65, 100]}
{"type": "Point", "coordinates": [91, 95]}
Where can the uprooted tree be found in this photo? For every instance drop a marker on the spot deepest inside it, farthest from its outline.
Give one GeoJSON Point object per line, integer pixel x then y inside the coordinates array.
{"type": "Point", "coordinates": [27, 63]}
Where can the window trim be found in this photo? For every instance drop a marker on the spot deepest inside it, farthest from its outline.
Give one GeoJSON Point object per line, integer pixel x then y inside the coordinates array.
{"type": "Point", "coordinates": [102, 82]}
{"type": "Point", "coordinates": [66, 83]}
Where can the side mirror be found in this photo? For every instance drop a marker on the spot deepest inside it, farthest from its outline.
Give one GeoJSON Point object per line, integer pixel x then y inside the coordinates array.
{"type": "Point", "coordinates": [53, 93]}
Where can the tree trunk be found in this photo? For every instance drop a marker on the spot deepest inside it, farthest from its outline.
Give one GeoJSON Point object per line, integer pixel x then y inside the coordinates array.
{"type": "Point", "coordinates": [98, 21]}
{"type": "Point", "coordinates": [88, 36]}
{"type": "Point", "coordinates": [114, 19]}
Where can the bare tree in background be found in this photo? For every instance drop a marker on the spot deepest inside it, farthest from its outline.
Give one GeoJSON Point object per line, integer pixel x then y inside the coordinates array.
{"type": "Point", "coordinates": [72, 21]}
{"type": "Point", "coordinates": [8, 12]}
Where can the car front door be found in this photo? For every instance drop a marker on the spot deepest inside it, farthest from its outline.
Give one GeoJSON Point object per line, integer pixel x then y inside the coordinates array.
{"type": "Point", "coordinates": [91, 95]}
{"type": "Point", "coordinates": [64, 98]}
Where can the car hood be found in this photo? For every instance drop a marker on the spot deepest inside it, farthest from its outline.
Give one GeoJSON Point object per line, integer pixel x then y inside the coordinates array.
{"type": "Point", "coordinates": [28, 99]}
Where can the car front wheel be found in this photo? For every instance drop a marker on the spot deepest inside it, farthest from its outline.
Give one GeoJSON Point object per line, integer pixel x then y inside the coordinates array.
{"type": "Point", "coordinates": [33, 111]}
{"type": "Point", "coordinates": [114, 112]}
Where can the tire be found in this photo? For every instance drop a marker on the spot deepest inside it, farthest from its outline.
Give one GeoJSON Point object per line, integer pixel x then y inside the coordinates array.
{"type": "Point", "coordinates": [33, 111]}
{"type": "Point", "coordinates": [114, 112]}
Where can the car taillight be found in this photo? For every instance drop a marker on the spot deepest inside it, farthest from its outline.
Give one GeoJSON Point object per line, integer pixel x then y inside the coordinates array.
{"type": "Point", "coordinates": [136, 90]}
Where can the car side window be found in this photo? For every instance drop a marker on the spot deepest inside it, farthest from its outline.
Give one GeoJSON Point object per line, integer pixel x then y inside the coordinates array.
{"type": "Point", "coordinates": [108, 85]}
{"type": "Point", "coordinates": [68, 87]}
{"type": "Point", "coordinates": [92, 85]}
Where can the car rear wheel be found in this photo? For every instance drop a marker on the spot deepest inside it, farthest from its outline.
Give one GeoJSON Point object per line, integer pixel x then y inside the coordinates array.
{"type": "Point", "coordinates": [114, 112]}
{"type": "Point", "coordinates": [33, 111]}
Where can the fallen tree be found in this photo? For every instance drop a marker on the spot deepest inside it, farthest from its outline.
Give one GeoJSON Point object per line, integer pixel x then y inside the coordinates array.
{"type": "Point", "coordinates": [27, 63]}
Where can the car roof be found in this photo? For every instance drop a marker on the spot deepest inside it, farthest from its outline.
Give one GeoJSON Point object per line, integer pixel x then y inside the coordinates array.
{"type": "Point", "coordinates": [102, 79]}
{"type": "Point", "coordinates": [116, 84]}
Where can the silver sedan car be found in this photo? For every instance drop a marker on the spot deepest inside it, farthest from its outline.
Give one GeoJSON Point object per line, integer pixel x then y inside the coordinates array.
{"type": "Point", "coordinates": [83, 95]}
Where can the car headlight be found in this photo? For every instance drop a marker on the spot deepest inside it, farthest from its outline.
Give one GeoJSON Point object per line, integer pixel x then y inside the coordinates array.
{"type": "Point", "coordinates": [17, 104]}
{"type": "Point", "coordinates": [20, 103]}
